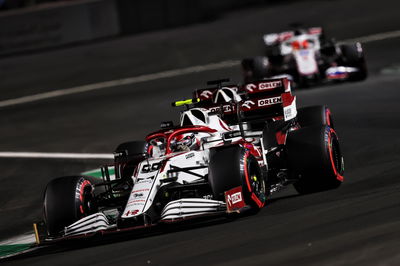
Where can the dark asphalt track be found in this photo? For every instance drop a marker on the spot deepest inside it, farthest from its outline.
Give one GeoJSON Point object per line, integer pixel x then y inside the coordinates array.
{"type": "Point", "coordinates": [357, 224]}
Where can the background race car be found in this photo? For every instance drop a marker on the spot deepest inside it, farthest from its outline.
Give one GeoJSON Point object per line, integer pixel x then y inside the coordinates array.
{"type": "Point", "coordinates": [306, 57]}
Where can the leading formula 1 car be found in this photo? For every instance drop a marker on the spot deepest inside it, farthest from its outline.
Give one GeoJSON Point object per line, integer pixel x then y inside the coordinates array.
{"type": "Point", "coordinates": [234, 146]}
{"type": "Point", "coordinates": [307, 57]}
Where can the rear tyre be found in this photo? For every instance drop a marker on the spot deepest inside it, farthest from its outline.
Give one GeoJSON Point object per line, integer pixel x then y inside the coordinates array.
{"type": "Point", "coordinates": [353, 56]}
{"type": "Point", "coordinates": [315, 116]}
{"type": "Point", "coordinates": [127, 156]}
{"type": "Point", "coordinates": [256, 68]}
{"type": "Point", "coordinates": [314, 156]}
{"type": "Point", "coordinates": [132, 147]}
{"type": "Point", "coordinates": [232, 167]}
{"type": "Point", "coordinates": [66, 200]}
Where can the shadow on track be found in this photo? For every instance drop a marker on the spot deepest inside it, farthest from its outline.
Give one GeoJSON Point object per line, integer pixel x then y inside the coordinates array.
{"type": "Point", "coordinates": [161, 229]}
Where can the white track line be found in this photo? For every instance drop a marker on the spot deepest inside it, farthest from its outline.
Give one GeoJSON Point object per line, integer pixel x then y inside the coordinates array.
{"type": "Point", "coordinates": [375, 37]}
{"type": "Point", "coordinates": [55, 155]}
{"type": "Point", "coordinates": [119, 82]}
{"type": "Point", "coordinates": [27, 238]}
{"type": "Point", "coordinates": [164, 74]}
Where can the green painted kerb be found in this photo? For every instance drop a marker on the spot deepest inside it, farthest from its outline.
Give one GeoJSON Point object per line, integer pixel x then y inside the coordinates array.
{"type": "Point", "coordinates": [12, 249]}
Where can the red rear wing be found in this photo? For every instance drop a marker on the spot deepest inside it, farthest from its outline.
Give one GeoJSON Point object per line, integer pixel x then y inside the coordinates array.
{"type": "Point", "coordinates": [267, 99]}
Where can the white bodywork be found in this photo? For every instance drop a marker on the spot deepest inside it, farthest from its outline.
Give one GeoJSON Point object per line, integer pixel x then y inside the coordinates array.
{"type": "Point", "coordinates": [306, 61]}
{"type": "Point", "coordinates": [148, 179]}
{"type": "Point", "coordinates": [146, 185]}
{"type": "Point", "coordinates": [164, 165]}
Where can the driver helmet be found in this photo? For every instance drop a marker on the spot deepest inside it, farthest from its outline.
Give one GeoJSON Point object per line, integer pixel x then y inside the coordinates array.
{"type": "Point", "coordinates": [185, 142]}
{"type": "Point", "coordinates": [157, 147]}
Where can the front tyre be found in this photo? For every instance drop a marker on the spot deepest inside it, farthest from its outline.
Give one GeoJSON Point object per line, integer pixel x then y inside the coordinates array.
{"type": "Point", "coordinates": [66, 200]}
{"type": "Point", "coordinates": [233, 166]}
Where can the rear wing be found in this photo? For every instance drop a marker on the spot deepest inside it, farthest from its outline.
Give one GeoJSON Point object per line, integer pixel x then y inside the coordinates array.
{"type": "Point", "coordinates": [266, 99]}
{"type": "Point", "coordinates": [276, 38]}
{"type": "Point", "coordinates": [269, 99]}
{"type": "Point", "coordinates": [208, 94]}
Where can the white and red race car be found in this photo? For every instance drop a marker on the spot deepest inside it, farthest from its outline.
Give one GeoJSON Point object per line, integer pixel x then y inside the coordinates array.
{"type": "Point", "coordinates": [307, 57]}
{"type": "Point", "coordinates": [234, 146]}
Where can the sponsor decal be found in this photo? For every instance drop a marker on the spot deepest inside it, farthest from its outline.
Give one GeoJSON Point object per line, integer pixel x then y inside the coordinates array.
{"type": "Point", "coordinates": [288, 113]}
{"type": "Point", "coordinates": [326, 136]}
{"type": "Point", "coordinates": [151, 168]}
{"type": "Point", "coordinates": [129, 212]}
{"type": "Point", "coordinates": [269, 85]}
{"type": "Point", "coordinates": [209, 197]}
{"type": "Point", "coordinates": [269, 101]}
{"type": "Point", "coordinates": [226, 108]}
{"type": "Point", "coordinates": [247, 104]}
{"type": "Point", "coordinates": [137, 195]}
{"type": "Point", "coordinates": [190, 155]}
{"type": "Point", "coordinates": [136, 202]}
{"type": "Point", "coordinates": [251, 87]}
{"type": "Point", "coordinates": [231, 135]}
{"type": "Point", "coordinates": [234, 199]}
{"type": "Point", "coordinates": [206, 94]}
{"type": "Point", "coordinates": [141, 204]}
{"type": "Point", "coordinates": [304, 53]}
{"type": "Point", "coordinates": [79, 190]}
{"type": "Point", "coordinates": [140, 190]}
{"type": "Point", "coordinates": [145, 180]}
{"type": "Point", "coordinates": [165, 124]}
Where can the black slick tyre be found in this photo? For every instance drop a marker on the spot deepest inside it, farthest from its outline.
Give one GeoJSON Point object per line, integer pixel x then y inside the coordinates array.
{"type": "Point", "coordinates": [318, 115]}
{"type": "Point", "coordinates": [66, 200]}
{"type": "Point", "coordinates": [353, 56]}
{"type": "Point", "coordinates": [315, 158]}
{"type": "Point", "coordinates": [126, 157]}
{"type": "Point", "coordinates": [232, 167]}
{"type": "Point", "coordinates": [256, 68]}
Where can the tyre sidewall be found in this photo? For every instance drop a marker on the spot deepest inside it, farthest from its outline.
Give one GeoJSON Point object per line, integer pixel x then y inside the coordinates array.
{"type": "Point", "coordinates": [65, 201]}
{"type": "Point", "coordinates": [231, 167]}
{"type": "Point", "coordinates": [310, 158]}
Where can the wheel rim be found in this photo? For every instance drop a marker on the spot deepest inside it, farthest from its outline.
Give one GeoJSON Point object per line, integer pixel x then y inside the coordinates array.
{"type": "Point", "coordinates": [85, 195]}
{"type": "Point", "coordinates": [255, 183]}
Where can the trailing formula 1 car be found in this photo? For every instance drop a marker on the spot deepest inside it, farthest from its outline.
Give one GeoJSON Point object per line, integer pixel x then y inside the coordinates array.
{"type": "Point", "coordinates": [307, 57]}
{"type": "Point", "coordinates": [233, 147]}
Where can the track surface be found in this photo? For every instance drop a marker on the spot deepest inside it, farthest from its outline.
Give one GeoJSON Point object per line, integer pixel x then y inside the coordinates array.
{"type": "Point", "coordinates": [358, 224]}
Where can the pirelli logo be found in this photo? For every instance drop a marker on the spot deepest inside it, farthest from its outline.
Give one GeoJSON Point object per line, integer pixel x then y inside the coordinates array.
{"type": "Point", "coordinates": [269, 101]}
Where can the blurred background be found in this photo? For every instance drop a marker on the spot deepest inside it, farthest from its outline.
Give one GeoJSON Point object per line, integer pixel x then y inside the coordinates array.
{"type": "Point", "coordinates": [33, 24]}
